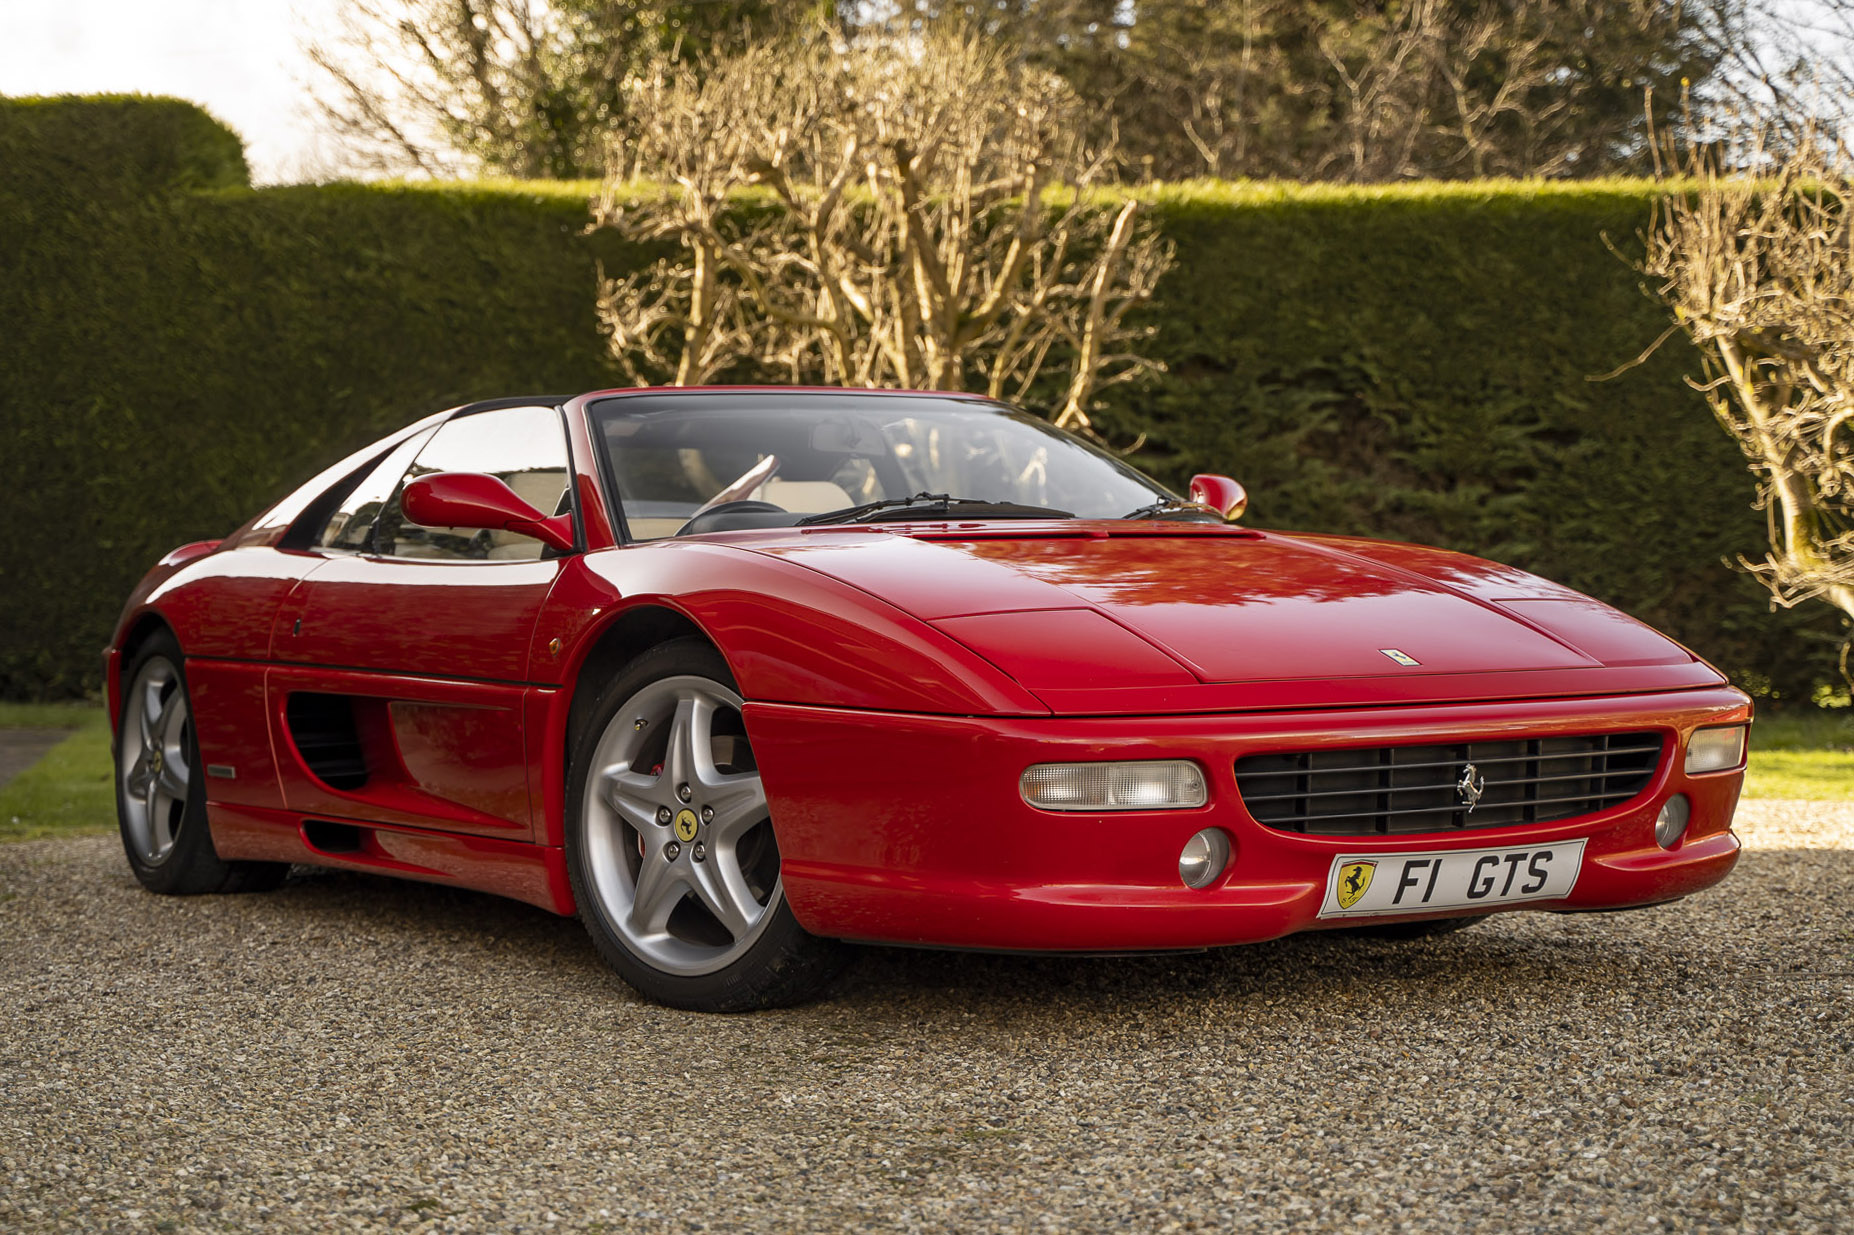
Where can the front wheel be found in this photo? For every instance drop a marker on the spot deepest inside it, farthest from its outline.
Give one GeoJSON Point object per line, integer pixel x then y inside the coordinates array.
{"type": "Point", "coordinates": [670, 847]}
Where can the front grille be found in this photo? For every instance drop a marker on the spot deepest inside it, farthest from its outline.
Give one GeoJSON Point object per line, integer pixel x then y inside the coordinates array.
{"type": "Point", "coordinates": [1393, 790]}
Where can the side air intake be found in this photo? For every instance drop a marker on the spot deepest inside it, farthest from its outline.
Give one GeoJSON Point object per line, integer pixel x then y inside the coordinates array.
{"type": "Point", "coordinates": [322, 726]}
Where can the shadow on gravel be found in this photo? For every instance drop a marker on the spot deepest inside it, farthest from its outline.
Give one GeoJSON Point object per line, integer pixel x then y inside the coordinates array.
{"type": "Point", "coordinates": [1528, 956]}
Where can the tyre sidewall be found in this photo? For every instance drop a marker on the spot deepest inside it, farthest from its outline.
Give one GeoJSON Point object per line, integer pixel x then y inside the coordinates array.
{"type": "Point", "coordinates": [784, 965]}
{"type": "Point", "coordinates": [192, 865]}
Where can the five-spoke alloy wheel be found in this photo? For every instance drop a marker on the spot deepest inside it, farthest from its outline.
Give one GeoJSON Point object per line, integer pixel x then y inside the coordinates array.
{"type": "Point", "coordinates": [154, 760]}
{"type": "Point", "coordinates": [671, 848]}
{"type": "Point", "coordinates": [160, 798]}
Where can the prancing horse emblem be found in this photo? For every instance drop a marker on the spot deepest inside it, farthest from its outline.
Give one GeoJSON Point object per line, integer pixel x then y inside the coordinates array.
{"type": "Point", "coordinates": [1470, 787]}
{"type": "Point", "coordinates": [1354, 878]}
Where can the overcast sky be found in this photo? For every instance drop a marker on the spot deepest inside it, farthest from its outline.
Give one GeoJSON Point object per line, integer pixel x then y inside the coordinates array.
{"type": "Point", "coordinates": [242, 59]}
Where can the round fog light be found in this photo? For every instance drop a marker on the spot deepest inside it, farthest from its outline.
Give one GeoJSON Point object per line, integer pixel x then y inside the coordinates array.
{"type": "Point", "coordinates": [1671, 824]}
{"type": "Point", "coordinates": [1204, 857]}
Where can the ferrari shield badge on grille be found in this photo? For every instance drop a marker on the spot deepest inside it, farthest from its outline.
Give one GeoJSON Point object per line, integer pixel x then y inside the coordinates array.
{"type": "Point", "coordinates": [1403, 658]}
{"type": "Point", "coordinates": [1354, 878]}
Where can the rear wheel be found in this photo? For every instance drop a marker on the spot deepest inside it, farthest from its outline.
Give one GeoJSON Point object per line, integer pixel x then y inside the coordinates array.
{"type": "Point", "coordinates": [160, 793]}
{"type": "Point", "coordinates": [671, 849]}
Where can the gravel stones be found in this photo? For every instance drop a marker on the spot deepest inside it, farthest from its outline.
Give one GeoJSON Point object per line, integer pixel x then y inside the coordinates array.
{"type": "Point", "coordinates": [376, 1055]}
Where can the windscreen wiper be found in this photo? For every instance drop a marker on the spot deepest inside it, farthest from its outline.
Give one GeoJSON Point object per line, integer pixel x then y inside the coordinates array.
{"type": "Point", "coordinates": [1176, 509]}
{"type": "Point", "coordinates": [932, 504]}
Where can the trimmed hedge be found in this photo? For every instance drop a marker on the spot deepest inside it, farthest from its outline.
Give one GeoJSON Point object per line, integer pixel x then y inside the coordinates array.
{"type": "Point", "coordinates": [62, 151]}
{"type": "Point", "coordinates": [1419, 363]}
{"type": "Point", "coordinates": [1406, 362]}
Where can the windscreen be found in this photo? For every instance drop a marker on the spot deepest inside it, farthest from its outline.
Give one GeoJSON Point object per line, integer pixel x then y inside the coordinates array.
{"type": "Point", "coordinates": [813, 454]}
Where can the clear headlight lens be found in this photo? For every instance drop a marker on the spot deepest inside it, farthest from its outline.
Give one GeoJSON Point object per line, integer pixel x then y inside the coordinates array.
{"type": "Point", "coordinates": [1159, 784]}
{"type": "Point", "coordinates": [1715, 750]}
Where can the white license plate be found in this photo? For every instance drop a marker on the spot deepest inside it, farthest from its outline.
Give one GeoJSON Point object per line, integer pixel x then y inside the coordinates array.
{"type": "Point", "coordinates": [1373, 884]}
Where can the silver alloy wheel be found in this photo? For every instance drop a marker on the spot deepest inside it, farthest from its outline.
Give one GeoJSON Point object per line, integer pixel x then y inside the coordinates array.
{"type": "Point", "coordinates": [152, 761]}
{"type": "Point", "coordinates": [679, 846]}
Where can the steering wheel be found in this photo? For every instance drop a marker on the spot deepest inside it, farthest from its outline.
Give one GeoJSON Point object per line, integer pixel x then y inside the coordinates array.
{"type": "Point", "coordinates": [704, 520]}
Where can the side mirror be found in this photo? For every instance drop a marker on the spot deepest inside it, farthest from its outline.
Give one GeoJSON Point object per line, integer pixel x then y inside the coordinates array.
{"type": "Point", "coordinates": [474, 500]}
{"type": "Point", "coordinates": [1221, 494]}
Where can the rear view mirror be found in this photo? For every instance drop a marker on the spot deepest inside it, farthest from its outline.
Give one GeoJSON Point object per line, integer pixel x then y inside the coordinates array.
{"type": "Point", "coordinates": [476, 500]}
{"type": "Point", "coordinates": [1221, 494]}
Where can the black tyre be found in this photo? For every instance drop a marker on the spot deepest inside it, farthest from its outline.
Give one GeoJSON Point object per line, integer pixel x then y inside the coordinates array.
{"type": "Point", "coordinates": [671, 851]}
{"type": "Point", "coordinates": [161, 789]}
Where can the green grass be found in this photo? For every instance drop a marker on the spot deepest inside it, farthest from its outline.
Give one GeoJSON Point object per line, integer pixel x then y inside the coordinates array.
{"type": "Point", "coordinates": [1805, 753]}
{"type": "Point", "coordinates": [71, 790]}
{"type": "Point", "coordinates": [47, 715]}
{"type": "Point", "coordinates": [1815, 775]}
{"type": "Point", "coordinates": [1803, 729]}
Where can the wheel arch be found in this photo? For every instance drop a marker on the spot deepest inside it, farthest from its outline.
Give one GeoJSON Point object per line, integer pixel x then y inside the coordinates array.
{"type": "Point", "coordinates": [628, 635]}
{"type": "Point", "coordinates": [144, 627]}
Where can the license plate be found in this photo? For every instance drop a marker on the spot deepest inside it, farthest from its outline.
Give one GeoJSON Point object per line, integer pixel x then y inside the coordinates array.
{"type": "Point", "coordinates": [1373, 884]}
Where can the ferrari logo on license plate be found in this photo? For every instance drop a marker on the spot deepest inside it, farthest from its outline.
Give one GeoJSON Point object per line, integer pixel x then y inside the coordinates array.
{"type": "Point", "coordinates": [1451, 879]}
{"type": "Point", "coordinates": [1354, 879]}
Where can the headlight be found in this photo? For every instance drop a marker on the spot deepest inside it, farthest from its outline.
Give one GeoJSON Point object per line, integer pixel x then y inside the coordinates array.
{"type": "Point", "coordinates": [1715, 750]}
{"type": "Point", "coordinates": [1160, 784]}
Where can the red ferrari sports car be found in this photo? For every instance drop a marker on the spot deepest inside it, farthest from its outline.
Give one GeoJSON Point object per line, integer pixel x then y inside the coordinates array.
{"type": "Point", "coordinates": [739, 675]}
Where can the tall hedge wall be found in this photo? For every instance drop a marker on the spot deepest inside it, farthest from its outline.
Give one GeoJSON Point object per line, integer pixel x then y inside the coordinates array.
{"type": "Point", "coordinates": [1411, 363]}
{"type": "Point", "coordinates": [61, 151]}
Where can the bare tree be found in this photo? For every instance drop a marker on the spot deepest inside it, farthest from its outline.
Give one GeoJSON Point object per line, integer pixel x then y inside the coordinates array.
{"type": "Point", "coordinates": [523, 88]}
{"type": "Point", "coordinates": [1760, 274]}
{"type": "Point", "coordinates": [1362, 90]}
{"type": "Point", "coordinates": [686, 319]}
{"type": "Point", "coordinates": [933, 221]}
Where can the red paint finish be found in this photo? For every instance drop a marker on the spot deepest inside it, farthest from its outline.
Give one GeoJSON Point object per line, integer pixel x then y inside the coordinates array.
{"type": "Point", "coordinates": [445, 619]}
{"type": "Point", "coordinates": [788, 635]}
{"type": "Point", "coordinates": [222, 604]}
{"type": "Point", "coordinates": [462, 753]}
{"type": "Point", "coordinates": [519, 871]}
{"type": "Point", "coordinates": [1054, 649]}
{"type": "Point", "coordinates": [901, 677]}
{"type": "Point", "coordinates": [235, 753]}
{"type": "Point", "coordinates": [467, 769]}
{"type": "Point", "coordinates": [914, 830]}
{"type": "Point", "coordinates": [1220, 493]}
{"type": "Point", "coordinates": [472, 500]}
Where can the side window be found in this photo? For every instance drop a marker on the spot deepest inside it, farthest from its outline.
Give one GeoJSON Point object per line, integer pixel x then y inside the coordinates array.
{"type": "Point", "coordinates": [524, 447]}
{"type": "Point", "coordinates": [351, 526]}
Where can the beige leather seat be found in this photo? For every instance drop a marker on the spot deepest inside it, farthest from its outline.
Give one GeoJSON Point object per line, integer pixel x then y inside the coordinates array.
{"type": "Point", "coordinates": [804, 497]}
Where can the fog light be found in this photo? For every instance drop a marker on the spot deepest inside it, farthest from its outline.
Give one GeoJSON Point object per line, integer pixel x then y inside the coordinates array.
{"type": "Point", "coordinates": [1204, 857]}
{"type": "Point", "coordinates": [1715, 750]}
{"type": "Point", "coordinates": [1168, 784]}
{"type": "Point", "coordinates": [1671, 824]}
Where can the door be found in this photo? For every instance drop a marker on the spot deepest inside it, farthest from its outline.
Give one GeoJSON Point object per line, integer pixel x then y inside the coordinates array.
{"type": "Point", "coordinates": [401, 660]}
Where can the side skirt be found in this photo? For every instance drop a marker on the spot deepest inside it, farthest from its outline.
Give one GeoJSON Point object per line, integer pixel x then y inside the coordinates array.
{"type": "Point", "coordinates": [536, 874]}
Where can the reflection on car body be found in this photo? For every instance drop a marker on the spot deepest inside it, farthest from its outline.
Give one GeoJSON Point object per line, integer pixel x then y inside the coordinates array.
{"type": "Point", "coordinates": [741, 675]}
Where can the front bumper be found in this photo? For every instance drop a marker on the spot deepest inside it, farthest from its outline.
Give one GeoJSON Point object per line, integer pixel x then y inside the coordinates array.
{"type": "Point", "coordinates": [910, 829]}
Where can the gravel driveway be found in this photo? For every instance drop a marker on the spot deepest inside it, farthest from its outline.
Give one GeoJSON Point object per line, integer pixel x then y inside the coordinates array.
{"type": "Point", "coordinates": [380, 1055]}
